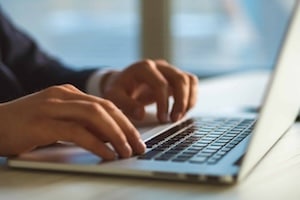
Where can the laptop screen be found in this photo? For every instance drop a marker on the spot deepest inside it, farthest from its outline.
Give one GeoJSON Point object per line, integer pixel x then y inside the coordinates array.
{"type": "Point", "coordinates": [282, 101]}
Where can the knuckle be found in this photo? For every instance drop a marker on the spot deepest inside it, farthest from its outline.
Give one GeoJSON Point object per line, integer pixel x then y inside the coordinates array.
{"type": "Point", "coordinates": [59, 90]}
{"type": "Point", "coordinates": [148, 63]}
{"type": "Point", "coordinates": [107, 104]}
{"type": "Point", "coordinates": [94, 108]}
{"type": "Point", "coordinates": [162, 61]}
{"type": "Point", "coordinates": [182, 78]}
{"type": "Point", "coordinates": [69, 86]}
{"type": "Point", "coordinates": [193, 78]}
{"type": "Point", "coordinates": [54, 91]}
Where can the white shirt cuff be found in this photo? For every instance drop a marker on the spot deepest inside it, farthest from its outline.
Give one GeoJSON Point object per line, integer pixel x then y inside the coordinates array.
{"type": "Point", "coordinates": [93, 83]}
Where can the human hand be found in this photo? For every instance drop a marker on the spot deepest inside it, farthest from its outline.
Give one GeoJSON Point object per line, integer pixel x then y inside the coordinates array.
{"type": "Point", "coordinates": [147, 82]}
{"type": "Point", "coordinates": [63, 113]}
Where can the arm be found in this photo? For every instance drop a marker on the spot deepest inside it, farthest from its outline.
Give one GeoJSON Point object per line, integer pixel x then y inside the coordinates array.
{"type": "Point", "coordinates": [33, 68]}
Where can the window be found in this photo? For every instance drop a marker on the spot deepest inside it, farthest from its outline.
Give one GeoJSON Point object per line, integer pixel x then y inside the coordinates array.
{"type": "Point", "coordinates": [206, 37]}
{"type": "Point", "coordinates": [216, 36]}
{"type": "Point", "coordinates": [81, 33]}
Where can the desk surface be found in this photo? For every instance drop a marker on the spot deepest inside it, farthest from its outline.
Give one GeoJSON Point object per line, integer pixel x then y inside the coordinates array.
{"type": "Point", "coordinates": [276, 177]}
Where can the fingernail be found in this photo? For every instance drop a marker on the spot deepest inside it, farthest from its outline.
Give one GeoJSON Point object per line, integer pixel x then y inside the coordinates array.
{"type": "Point", "coordinates": [127, 152]}
{"type": "Point", "coordinates": [142, 146]}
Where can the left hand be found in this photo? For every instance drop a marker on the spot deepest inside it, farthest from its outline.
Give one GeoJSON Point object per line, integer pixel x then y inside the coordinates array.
{"type": "Point", "coordinates": [151, 81]}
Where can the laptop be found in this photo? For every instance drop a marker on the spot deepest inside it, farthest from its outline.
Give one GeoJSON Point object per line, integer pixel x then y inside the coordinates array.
{"type": "Point", "coordinates": [212, 149]}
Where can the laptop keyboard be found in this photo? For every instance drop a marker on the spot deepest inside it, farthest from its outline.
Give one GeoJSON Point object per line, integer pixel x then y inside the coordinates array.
{"type": "Point", "coordinates": [198, 140]}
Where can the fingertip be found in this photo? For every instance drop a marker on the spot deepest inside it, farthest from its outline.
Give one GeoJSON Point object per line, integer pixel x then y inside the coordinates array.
{"type": "Point", "coordinates": [109, 156]}
{"type": "Point", "coordinates": [126, 151]}
{"type": "Point", "coordinates": [176, 116]}
{"type": "Point", "coordinates": [141, 147]}
{"type": "Point", "coordinates": [163, 117]}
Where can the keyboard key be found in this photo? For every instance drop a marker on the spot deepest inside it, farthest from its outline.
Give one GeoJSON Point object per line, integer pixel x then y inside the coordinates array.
{"type": "Point", "coordinates": [148, 156]}
{"type": "Point", "coordinates": [182, 158]}
{"type": "Point", "coordinates": [214, 147]}
{"type": "Point", "coordinates": [162, 158]}
{"type": "Point", "coordinates": [198, 159]}
{"type": "Point", "coordinates": [212, 161]}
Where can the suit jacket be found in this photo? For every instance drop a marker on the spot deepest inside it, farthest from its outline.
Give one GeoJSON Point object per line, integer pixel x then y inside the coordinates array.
{"type": "Point", "coordinates": [25, 68]}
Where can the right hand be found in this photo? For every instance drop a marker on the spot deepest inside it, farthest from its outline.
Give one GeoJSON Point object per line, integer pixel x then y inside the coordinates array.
{"type": "Point", "coordinates": [63, 113]}
{"type": "Point", "coordinates": [151, 81]}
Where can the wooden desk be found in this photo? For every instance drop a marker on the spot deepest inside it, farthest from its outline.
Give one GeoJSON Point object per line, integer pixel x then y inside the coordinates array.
{"type": "Point", "coordinates": [276, 177]}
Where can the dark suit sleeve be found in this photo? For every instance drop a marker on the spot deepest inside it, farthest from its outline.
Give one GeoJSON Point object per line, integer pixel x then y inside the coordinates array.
{"type": "Point", "coordinates": [32, 67]}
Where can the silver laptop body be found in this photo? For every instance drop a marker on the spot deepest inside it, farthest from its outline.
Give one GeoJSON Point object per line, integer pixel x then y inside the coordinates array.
{"type": "Point", "coordinates": [278, 112]}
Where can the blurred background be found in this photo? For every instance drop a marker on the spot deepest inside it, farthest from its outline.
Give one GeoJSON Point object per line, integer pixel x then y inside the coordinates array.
{"type": "Point", "coordinates": [206, 37]}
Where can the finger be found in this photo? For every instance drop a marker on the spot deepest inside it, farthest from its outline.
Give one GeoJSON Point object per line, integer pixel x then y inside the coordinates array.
{"type": "Point", "coordinates": [181, 98]}
{"type": "Point", "coordinates": [95, 117]}
{"type": "Point", "coordinates": [146, 95]}
{"type": "Point", "coordinates": [180, 84]}
{"type": "Point", "coordinates": [75, 133]}
{"type": "Point", "coordinates": [194, 84]}
{"type": "Point", "coordinates": [129, 130]}
{"type": "Point", "coordinates": [150, 75]}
